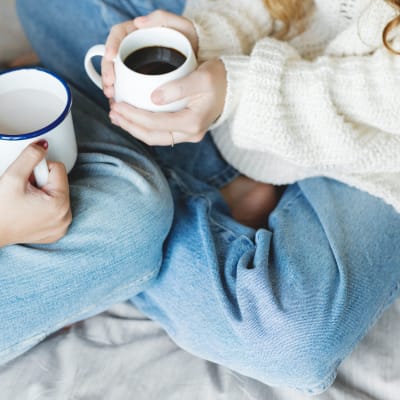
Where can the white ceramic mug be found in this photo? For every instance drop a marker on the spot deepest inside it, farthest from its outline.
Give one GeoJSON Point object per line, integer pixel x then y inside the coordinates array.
{"type": "Point", "coordinates": [136, 88]}
{"type": "Point", "coordinates": [35, 104]}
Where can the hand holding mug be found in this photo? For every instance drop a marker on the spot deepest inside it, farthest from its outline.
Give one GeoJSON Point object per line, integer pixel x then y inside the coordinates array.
{"type": "Point", "coordinates": [29, 214]}
{"type": "Point", "coordinates": [119, 32]}
{"type": "Point", "coordinates": [35, 105]}
{"type": "Point", "coordinates": [202, 91]}
{"type": "Point", "coordinates": [146, 59]}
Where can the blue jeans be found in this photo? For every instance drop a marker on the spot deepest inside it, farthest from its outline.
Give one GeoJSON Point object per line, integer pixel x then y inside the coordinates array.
{"type": "Point", "coordinates": [284, 305]}
{"type": "Point", "coordinates": [122, 213]}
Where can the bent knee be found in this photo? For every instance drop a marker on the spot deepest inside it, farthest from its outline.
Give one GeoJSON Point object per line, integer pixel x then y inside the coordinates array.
{"type": "Point", "coordinates": [143, 215]}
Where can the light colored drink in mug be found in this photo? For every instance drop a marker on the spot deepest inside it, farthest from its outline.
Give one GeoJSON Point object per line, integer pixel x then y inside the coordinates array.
{"type": "Point", "coordinates": [35, 105]}
{"type": "Point", "coordinates": [28, 110]}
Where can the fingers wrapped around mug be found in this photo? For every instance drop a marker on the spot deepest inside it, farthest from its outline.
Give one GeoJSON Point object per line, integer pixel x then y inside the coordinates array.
{"type": "Point", "coordinates": [114, 39]}
{"type": "Point", "coordinates": [204, 93]}
{"type": "Point", "coordinates": [169, 20]}
{"type": "Point", "coordinates": [136, 64]}
{"type": "Point", "coordinates": [155, 129]}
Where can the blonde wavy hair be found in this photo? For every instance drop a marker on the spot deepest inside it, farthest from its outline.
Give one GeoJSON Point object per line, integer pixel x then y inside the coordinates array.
{"type": "Point", "coordinates": [290, 12]}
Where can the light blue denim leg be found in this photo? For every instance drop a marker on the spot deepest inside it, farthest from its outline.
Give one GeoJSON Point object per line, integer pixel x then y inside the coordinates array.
{"type": "Point", "coordinates": [122, 211]}
{"type": "Point", "coordinates": [63, 34]}
{"type": "Point", "coordinates": [320, 277]}
{"type": "Point", "coordinates": [283, 306]}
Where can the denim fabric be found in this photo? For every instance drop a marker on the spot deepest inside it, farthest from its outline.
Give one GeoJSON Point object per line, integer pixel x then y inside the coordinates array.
{"type": "Point", "coordinates": [122, 212]}
{"type": "Point", "coordinates": [283, 305]}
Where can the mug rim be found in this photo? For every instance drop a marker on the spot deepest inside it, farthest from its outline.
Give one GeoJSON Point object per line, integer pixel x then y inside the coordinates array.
{"type": "Point", "coordinates": [154, 28]}
{"type": "Point", "coordinates": [53, 124]}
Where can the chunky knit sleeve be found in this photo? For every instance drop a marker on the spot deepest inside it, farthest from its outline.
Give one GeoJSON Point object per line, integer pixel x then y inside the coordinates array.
{"type": "Point", "coordinates": [334, 113]}
{"type": "Point", "coordinates": [228, 26]}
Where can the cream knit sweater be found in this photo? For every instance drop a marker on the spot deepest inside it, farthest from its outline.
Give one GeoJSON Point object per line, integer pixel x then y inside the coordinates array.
{"type": "Point", "coordinates": [325, 103]}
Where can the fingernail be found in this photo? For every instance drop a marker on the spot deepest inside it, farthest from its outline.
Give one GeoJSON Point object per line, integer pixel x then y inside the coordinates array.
{"type": "Point", "coordinates": [43, 143]}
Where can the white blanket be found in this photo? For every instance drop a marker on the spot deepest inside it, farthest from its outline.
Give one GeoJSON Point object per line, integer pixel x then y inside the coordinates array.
{"type": "Point", "coordinates": [121, 355]}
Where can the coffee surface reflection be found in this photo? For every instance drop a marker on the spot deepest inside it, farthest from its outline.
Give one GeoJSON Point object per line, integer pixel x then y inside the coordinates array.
{"type": "Point", "coordinates": [154, 60]}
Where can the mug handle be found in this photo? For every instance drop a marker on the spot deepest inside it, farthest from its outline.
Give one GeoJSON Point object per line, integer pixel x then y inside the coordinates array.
{"type": "Point", "coordinates": [97, 50]}
{"type": "Point", "coordinates": [41, 173]}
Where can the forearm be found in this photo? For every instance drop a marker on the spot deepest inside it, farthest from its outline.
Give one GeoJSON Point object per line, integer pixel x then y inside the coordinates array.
{"type": "Point", "coordinates": [3, 240]}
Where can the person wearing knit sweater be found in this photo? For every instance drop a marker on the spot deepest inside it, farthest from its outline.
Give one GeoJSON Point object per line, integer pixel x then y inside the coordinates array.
{"type": "Point", "coordinates": [315, 114]}
{"type": "Point", "coordinates": [287, 113]}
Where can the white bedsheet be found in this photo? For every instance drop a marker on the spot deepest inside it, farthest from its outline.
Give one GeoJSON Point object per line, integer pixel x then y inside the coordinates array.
{"type": "Point", "coordinates": [121, 355]}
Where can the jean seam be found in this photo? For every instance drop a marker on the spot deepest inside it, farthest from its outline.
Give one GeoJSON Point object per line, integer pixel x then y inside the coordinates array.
{"type": "Point", "coordinates": [290, 202]}
{"type": "Point", "coordinates": [234, 234]}
{"type": "Point", "coordinates": [224, 177]}
{"type": "Point", "coordinates": [190, 193]}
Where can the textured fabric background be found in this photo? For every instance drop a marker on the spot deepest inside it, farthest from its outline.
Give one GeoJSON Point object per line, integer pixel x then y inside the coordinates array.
{"type": "Point", "coordinates": [121, 355]}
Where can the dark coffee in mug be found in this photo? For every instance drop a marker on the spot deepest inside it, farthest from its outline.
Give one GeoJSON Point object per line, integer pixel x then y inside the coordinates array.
{"type": "Point", "coordinates": [154, 60]}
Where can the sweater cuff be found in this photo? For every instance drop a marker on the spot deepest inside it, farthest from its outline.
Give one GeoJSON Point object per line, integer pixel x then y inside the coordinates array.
{"type": "Point", "coordinates": [236, 72]}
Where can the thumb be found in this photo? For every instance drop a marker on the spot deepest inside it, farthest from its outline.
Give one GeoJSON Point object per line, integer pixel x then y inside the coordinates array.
{"type": "Point", "coordinates": [58, 179]}
{"type": "Point", "coordinates": [23, 166]}
{"type": "Point", "coordinates": [179, 89]}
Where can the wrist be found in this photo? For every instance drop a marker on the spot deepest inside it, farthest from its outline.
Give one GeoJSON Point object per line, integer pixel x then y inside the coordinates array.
{"type": "Point", "coordinates": [4, 241]}
{"type": "Point", "coordinates": [221, 76]}
{"type": "Point", "coordinates": [5, 227]}
{"type": "Point", "coordinates": [235, 72]}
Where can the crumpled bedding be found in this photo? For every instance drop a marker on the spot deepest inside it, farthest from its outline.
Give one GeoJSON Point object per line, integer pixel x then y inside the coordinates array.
{"type": "Point", "coordinates": [121, 355]}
